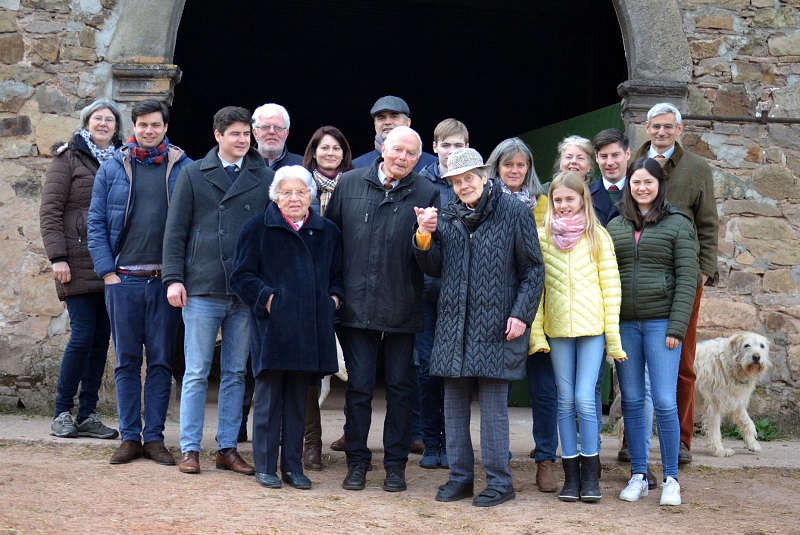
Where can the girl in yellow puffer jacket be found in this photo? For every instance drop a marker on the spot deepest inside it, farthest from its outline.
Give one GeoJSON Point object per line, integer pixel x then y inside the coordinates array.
{"type": "Point", "coordinates": [578, 317]}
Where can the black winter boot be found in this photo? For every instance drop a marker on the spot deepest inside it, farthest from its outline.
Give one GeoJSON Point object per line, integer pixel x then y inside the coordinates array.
{"type": "Point", "coordinates": [590, 486]}
{"type": "Point", "coordinates": [571, 491]}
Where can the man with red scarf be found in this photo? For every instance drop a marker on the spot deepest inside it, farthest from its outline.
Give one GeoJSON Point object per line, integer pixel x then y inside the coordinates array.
{"type": "Point", "coordinates": [127, 217]}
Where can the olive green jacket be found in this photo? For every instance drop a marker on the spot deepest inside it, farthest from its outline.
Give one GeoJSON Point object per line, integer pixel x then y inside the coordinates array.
{"type": "Point", "coordinates": [690, 189]}
{"type": "Point", "coordinates": [659, 274]}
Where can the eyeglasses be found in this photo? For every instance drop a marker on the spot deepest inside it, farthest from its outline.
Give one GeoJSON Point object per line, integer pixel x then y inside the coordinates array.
{"type": "Point", "coordinates": [267, 128]}
{"type": "Point", "coordinates": [107, 120]}
{"type": "Point", "coordinates": [300, 194]}
{"type": "Point", "coordinates": [667, 127]}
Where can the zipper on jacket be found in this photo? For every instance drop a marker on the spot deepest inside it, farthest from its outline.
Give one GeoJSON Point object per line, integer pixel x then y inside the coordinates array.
{"type": "Point", "coordinates": [635, 271]}
{"type": "Point", "coordinates": [571, 315]}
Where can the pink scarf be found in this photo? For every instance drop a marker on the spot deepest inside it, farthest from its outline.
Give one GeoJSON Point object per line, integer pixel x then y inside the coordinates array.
{"type": "Point", "coordinates": [567, 231]}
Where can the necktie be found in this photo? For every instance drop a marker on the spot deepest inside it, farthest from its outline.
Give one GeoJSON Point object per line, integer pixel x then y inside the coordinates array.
{"type": "Point", "coordinates": [661, 159]}
{"type": "Point", "coordinates": [613, 188]}
{"type": "Point", "coordinates": [233, 172]}
{"type": "Point", "coordinates": [388, 184]}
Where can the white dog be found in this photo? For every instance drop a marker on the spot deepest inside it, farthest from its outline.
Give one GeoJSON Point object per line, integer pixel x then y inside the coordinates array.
{"type": "Point", "coordinates": [727, 371]}
{"type": "Point", "coordinates": [341, 374]}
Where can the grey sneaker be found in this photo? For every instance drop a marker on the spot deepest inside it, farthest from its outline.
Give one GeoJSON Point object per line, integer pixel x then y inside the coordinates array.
{"type": "Point", "coordinates": [63, 426]}
{"type": "Point", "coordinates": [92, 427]}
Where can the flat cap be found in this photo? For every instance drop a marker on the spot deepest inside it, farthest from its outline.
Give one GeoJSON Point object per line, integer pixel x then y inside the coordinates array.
{"type": "Point", "coordinates": [390, 103]}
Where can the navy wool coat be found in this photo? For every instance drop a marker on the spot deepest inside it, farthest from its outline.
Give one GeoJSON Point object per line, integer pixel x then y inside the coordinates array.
{"type": "Point", "coordinates": [302, 269]}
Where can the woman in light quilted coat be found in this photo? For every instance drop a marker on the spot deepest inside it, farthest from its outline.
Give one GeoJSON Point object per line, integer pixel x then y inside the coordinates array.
{"type": "Point", "coordinates": [578, 317]}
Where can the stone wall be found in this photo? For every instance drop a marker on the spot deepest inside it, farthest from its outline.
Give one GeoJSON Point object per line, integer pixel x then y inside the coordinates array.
{"type": "Point", "coordinates": [51, 65]}
{"type": "Point", "coordinates": [745, 58]}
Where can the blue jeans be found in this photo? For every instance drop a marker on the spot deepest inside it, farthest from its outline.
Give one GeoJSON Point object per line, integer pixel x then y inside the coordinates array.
{"type": "Point", "coordinates": [203, 316]}
{"type": "Point", "coordinates": [431, 393]}
{"type": "Point", "coordinates": [576, 363]}
{"type": "Point", "coordinates": [544, 406]}
{"type": "Point", "coordinates": [645, 342]}
{"type": "Point", "coordinates": [84, 359]}
{"type": "Point", "coordinates": [141, 317]}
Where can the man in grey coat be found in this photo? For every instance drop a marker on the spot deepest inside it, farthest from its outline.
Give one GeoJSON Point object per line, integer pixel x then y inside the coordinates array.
{"type": "Point", "coordinates": [213, 199]}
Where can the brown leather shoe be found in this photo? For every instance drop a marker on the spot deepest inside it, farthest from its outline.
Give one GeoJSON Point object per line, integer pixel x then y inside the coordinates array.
{"type": "Point", "coordinates": [312, 457]}
{"type": "Point", "coordinates": [338, 444]}
{"type": "Point", "coordinates": [190, 463]}
{"type": "Point", "coordinates": [418, 447]}
{"type": "Point", "coordinates": [128, 450]}
{"type": "Point", "coordinates": [545, 479]}
{"type": "Point", "coordinates": [684, 455]}
{"type": "Point", "coordinates": [232, 461]}
{"type": "Point", "coordinates": [158, 453]}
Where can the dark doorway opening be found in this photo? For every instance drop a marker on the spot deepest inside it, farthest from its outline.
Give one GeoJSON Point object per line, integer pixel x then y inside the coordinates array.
{"type": "Point", "coordinates": [503, 67]}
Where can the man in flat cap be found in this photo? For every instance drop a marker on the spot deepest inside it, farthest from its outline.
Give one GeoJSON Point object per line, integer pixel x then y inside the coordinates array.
{"type": "Point", "coordinates": [387, 113]}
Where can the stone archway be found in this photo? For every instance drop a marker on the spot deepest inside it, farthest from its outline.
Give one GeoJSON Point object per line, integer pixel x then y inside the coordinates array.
{"type": "Point", "coordinates": [659, 64]}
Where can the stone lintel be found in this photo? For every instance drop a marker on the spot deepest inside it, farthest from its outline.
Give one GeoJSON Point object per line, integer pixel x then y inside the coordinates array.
{"type": "Point", "coordinates": [134, 82]}
{"type": "Point", "coordinates": [638, 96]}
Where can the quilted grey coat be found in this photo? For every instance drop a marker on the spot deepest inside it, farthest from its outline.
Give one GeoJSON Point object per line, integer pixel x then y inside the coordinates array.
{"type": "Point", "coordinates": [488, 276]}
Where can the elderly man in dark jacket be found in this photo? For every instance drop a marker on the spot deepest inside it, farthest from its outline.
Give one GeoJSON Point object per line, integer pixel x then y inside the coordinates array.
{"type": "Point", "coordinates": [374, 208]}
{"type": "Point", "coordinates": [213, 199]}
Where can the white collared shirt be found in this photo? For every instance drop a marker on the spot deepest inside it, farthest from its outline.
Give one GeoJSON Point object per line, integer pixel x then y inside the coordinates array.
{"type": "Point", "coordinates": [620, 184]}
{"type": "Point", "coordinates": [382, 176]}
{"type": "Point", "coordinates": [237, 163]}
{"type": "Point", "coordinates": [652, 153]}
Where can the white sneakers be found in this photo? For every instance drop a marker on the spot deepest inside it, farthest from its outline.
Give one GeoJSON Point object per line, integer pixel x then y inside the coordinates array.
{"type": "Point", "coordinates": [637, 487]}
{"type": "Point", "coordinates": [670, 492]}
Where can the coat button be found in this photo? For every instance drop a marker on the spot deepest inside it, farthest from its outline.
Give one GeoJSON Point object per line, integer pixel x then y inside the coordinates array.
{"type": "Point", "coordinates": [246, 207]}
{"type": "Point", "coordinates": [310, 232]}
{"type": "Point", "coordinates": [224, 257]}
{"type": "Point", "coordinates": [221, 232]}
{"type": "Point", "coordinates": [221, 207]}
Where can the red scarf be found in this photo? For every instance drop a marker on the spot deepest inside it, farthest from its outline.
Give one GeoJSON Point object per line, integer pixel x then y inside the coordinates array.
{"type": "Point", "coordinates": [156, 155]}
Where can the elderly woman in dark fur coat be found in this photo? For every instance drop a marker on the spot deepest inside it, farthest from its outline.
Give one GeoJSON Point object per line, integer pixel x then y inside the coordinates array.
{"type": "Point", "coordinates": [288, 270]}
{"type": "Point", "coordinates": [486, 250]}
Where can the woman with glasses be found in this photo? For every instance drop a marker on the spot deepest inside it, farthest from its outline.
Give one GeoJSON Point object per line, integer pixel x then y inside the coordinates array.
{"type": "Point", "coordinates": [65, 203]}
{"type": "Point", "coordinates": [288, 269]}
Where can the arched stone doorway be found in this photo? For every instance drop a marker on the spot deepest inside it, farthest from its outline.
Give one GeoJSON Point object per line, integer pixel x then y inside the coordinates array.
{"type": "Point", "coordinates": [659, 62]}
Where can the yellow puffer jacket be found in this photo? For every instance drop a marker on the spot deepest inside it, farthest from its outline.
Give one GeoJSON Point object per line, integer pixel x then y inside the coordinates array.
{"type": "Point", "coordinates": [581, 297]}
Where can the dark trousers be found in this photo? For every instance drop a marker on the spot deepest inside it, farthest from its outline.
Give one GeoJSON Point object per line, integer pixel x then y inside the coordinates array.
{"type": "Point", "coordinates": [280, 401]}
{"type": "Point", "coordinates": [431, 393]}
{"type": "Point", "coordinates": [544, 406]}
{"type": "Point", "coordinates": [141, 317]}
{"type": "Point", "coordinates": [361, 348]}
{"type": "Point", "coordinates": [84, 359]}
{"type": "Point", "coordinates": [249, 390]}
{"type": "Point", "coordinates": [686, 376]}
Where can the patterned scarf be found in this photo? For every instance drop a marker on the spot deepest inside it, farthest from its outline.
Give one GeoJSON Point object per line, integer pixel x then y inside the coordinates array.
{"type": "Point", "coordinates": [101, 155]}
{"type": "Point", "coordinates": [152, 156]}
{"type": "Point", "coordinates": [524, 195]}
{"type": "Point", "coordinates": [378, 143]}
{"type": "Point", "coordinates": [567, 231]}
{"type": "Point", "coordinates": [325, 186]}
{"type": "Point", "coordinates": [474, 217]}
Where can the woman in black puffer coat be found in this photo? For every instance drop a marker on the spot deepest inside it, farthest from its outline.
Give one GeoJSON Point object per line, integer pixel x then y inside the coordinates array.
{"type": "Point", "coordinates": [485, 248]}
{"type": "Point", "coordinates": [66, 196]}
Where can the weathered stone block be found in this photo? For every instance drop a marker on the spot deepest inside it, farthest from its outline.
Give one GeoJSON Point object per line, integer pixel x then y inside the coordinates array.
{"type": "Point", "coordinates": [787, 103]}
{"type": "Point", "coordinates": [776, 182]}
{"type": "Point", "coordinates": [783, 281]}
{"type": "Point", "coordinates": [42, 26]}
{"type": "Point", "coordinates": [86, 38]}
{"type": "Point", "coordinates": [771, 239]}
{"type": "Point", "coordinates": [20, 73]}
{"type": "Point", "coordinates": [78, 53]}
{"type": "Point", "coordinates": [732, 104]}
{"type": "Point", "coordinates": [45, 51]}
{"type": "Point", "coordinates": [727, 315]}
{"type": "Point", "coordinates": [728, 185]}
{"type": "Point", "coordinates": [784, 135]}
{"type": "Point", "coordinates": [13, 95]}
{"type": "Point", "coordinates": [716, 22]}
{"type": "Point", "coordinates": [11, 5]}
{"type": "Point", "coordinates": [53, 129]}
{"type": "Point", "coordinates": [17, 149]}
{"type": "Point", "coordinates": [742, 282]}
{"type": "Point", "coordinates": [744, 71]}
{"type": "Point", "coordinates": [777, 322]}
{"type": "Point", "coordinates": [784, 17]}
{"type": "Point", "coordinates": [693, 143]}
{"type": "Point", "coordinates": [698, 104]}
{"type": "Point", "coordinates": [712, 66]}
{"type": "Point", "coordinates": [705, 48]}
{"type": "Point", "coordinates": [785, 45]}
{"type": "Point", "coordinates": [773, 155]}
{"type": "Point", "coordinates": [54, 6]}
{"type": "Point", "coordinates": [12, 49]}
{"type": "Point", "coordinates": [755, 46]}
{"type": "Point", "coordinates": [51, 100]}
{"type": "Point", "coordinates": [38, 296]}
{"type": "Point", "coordinates": [8, 22]}
{"type": "Point", "coordinates": [734, 207]}
{"type": "Point", "coordinates": [792, 214]}
{"type": "Point", "coordinates": [689, 5]}
{"type": "Point", "coordinates": [753, 154]}
{"type": "Point", "coordinates": [15, 126]}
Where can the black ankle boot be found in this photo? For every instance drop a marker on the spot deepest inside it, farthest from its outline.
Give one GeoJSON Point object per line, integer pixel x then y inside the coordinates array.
{"type": "Point", "coordinates": [590, 486]}
{"type": "Point", "coordinates": [571, 491]}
